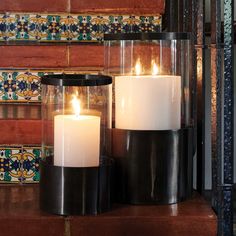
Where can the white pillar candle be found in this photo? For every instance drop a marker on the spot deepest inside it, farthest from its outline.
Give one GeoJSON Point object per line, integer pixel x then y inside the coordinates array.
{"type": "Point", "coordinates": [148, 102]}
{"type": "Point", "coordinates": [76, 140]}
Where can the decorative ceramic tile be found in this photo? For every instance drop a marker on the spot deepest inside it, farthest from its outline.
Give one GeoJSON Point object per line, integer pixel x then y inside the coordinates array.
{"type": "Point", "coordinates": [19, 164]}
{"type": "Point", "coordinates": [17, 86]}
{"type": "Point", "coordinates": [30, 164]}
{"type": "Point", "coordinates": [3, 27]}
{"type": "Point", "coordinates": [43, 27]}
{"type": "Point", "coordinates": [20, 86]}
{"type": "Point", "coordinates": [22, 27]}
{"type": "Point", "coordinates": [53, 28]}
{"type": "Point", "coordinates": [10, 164]}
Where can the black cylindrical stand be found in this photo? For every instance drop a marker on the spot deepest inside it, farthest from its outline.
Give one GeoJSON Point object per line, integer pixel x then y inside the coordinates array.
{"type": "Point", "coordinates": [75, 190]}
{"type": "Point", "coordinates": [153, 167]}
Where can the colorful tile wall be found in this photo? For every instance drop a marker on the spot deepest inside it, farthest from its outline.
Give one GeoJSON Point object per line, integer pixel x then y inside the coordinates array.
{"type": "Point", "coordinates": [23, 86]}
{"type": "Point", "coordinates": [19, 164]}
{"type": "Point", "coordinates": [30, 164]}
{"type": "Point", "coordinates": [10, 164]}
{"type": "Point", "coordinates": [72, 28]}
{"type": "Point", "coordinates": [18, 86]}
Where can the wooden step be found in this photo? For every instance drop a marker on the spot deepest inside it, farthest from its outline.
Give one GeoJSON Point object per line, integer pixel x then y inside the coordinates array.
{"type": "Point", "coordinates": [20, 215]}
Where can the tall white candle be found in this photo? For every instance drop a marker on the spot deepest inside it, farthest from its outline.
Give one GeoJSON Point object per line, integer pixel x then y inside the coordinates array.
{"type": "Point", "coordinates": [148, 102]}
{"type": "Point", "coordinates": [76, 140]}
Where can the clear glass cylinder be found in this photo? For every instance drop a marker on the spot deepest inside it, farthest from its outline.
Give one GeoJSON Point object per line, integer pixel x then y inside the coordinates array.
{"type": "Point", "coordinates": [152, 80]}
{"type": "Point", "coordinates": [76, 116]}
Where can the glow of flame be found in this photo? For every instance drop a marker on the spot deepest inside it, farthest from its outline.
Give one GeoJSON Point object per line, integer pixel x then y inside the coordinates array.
{"type": "Point", "coordinates": [155, 69]}
{"type": "Point", "coordinates": [76, 105]}
{"type": "Point", "coordinates": [138, 67]}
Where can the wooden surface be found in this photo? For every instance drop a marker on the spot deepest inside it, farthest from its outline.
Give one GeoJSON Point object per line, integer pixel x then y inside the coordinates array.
{"type": "Point", "coordinates": [84, 6]}
{"type": "Point", "coordinates": [20, 215]}
{"type": "Point", "coordinates": [117, 6]}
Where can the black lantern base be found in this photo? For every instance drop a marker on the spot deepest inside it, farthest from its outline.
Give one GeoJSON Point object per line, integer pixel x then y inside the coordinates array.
{"type": "Point", "coordinates": [152, 167]}
{"type": "Point", "coordinates": [75, 191]}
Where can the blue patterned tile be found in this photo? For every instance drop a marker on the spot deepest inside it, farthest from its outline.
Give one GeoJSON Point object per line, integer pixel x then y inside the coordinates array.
{"type": "Point", "coordinates": [22, 27]}
{"type": "Point", "coordinates": [99, 25]}
{"type": "Point", "coordinates": [146, 24]}
{"type": "Point", "coordinates": [115, 24]}
{"type": "Point", "coordinates": [19, 86]}
{"type": "Point", "coordinates": [72, 28]}
{"type": "Point", "coordinates": [52, 28]}
{"type": "Point", "coordinates": [29, 87]}
{"type": "Point", "coordinates": [68, 27]}
{"type": "Point", "coordinates": [84, 28]}
{"type": "Point", "coordinates": [31, 157]}
{"type": "Point", "coordinates": [157, 22]}
{"type": "Point", "coordinates": [3, 27]}
{"type": "Point", "coordinates": [10, 164]}
{"type": "Point", "coordinates": [131, 24]}
{"type": "Point", "coordinates": [11, 27]}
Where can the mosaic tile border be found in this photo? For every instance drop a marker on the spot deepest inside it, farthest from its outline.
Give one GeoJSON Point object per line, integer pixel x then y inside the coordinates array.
{"type": "Point", "coordinates": [31, 157]}
{"type": "Point", "coordinates": [24, 86]}
{"type": "Point", "coordinates": [19, 164]}
{"type": "Point", "coordinates": [20, 86]}
{"type": "Point", "coordinates": [72, 28]}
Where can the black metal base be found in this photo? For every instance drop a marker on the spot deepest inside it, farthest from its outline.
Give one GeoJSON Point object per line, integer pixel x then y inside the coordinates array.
{"type": "Point", "coordinates": [75, 191]}
{"type": "Point", "coordinates": [152, 167]}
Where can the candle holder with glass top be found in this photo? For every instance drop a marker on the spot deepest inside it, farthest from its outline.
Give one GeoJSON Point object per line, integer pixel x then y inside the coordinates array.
{"type": "Point", "coordinates": [153, 119]}
{"type": "Point", "coordinates": [75, 170]}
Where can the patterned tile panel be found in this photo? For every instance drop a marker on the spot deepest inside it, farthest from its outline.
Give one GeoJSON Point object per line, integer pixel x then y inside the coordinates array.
{"type": "Point", "coordinates": [30, 164]}
{"type": "Point", "coordinates": [3, 27]}
{"type": "Point", "coordinates": [20, 86]}
{"type": "Point", "coordinates": [19, 164]}
{"type": "Point", "coordinates": [72, 28]}
{"type": "Point", "coordinates": [10, 164]}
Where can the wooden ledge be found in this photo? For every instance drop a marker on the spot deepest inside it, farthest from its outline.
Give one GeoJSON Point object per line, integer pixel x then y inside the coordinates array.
{"type": "Point", "coordinates": [20, 215]}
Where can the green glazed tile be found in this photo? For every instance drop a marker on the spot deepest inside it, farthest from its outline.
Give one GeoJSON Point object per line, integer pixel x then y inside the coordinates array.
{"type": "Point", "coordinates": [10, 164]}
{"type": "Point", "coordinates": [19, 86]}
{"type": "Point", "coordinates": [30, 164]}
{"type": "Point", "coordinates": [72, 27]}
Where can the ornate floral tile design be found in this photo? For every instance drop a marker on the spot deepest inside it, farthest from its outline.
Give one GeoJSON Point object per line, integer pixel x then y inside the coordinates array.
{"type": "Point", "coordinates": [20, 86]}
{"type": "Point", "coordinates": [19, 164]}
{"type": "Point", "coordinates": [43, 27]}
{"type": "Point", "coordinates": [30, 164]}
{"type": "Point", "coordinates": [10, 164]}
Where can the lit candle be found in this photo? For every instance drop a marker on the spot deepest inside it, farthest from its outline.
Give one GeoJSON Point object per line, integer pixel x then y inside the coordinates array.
{"type": "Point", "coordinates": [148, 102]}
{"type": "Point", "coordinates": [76, 139]}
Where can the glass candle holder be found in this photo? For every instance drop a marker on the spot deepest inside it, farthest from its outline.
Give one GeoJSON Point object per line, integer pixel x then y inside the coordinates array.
{"type": "Point", "coordinates": [76, 117]}
{"type": "Point", "coordinates": [153, 115]}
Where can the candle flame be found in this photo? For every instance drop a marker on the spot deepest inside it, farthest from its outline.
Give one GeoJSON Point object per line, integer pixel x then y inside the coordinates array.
{"type": "Point", "coordinates": [138, 67]}
{"type": "Point", "coordinates": [155, 69]}
{"type": "Point", "coordinates": [76, 105]}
